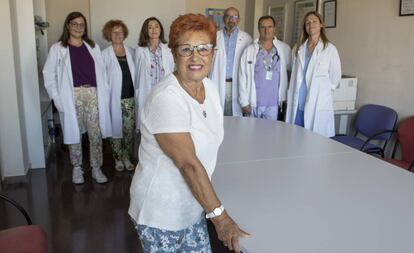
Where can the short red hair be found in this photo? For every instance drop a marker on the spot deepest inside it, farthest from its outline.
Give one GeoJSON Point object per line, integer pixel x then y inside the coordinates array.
{"type": "Point", "coordinates": [107, 29]}
{"type": "Point", "coordinates": [194, 23]}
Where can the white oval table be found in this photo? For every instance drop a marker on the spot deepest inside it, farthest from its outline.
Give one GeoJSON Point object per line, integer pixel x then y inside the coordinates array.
{"type": "Point", "coordinates": [298, 192]}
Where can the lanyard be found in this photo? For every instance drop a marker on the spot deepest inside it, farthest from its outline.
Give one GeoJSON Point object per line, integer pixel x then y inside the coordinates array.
{"type": "Point", "coordinates": [268, 66]}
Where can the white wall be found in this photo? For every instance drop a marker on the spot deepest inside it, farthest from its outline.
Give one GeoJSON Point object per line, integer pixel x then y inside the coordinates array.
{"type": "Point", "coordinates": [27, 82]}
{"type": "Point", "coordinates": [11, 149]}
{"type": "Point", "coordinates": [133, 13]}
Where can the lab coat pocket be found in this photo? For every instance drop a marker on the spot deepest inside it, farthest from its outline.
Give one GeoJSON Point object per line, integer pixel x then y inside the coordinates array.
{"type": "Point", "coordinates": [322, 69]}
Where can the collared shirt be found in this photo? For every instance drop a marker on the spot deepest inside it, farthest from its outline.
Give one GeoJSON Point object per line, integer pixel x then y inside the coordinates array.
{"type": "Point", "coordinates": [157, 71]}
{"type": "Point", "coordinates": [267, 84]}
{"type": "Point", "coordinates": [230, 44]}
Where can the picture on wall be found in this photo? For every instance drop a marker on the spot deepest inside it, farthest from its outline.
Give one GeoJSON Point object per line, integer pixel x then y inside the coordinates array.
{"type": "Point", "coordinates": [279, 14]}
{"type": "Point", "coordinates": [406, 7]}
{"type": "Point", "coordinates": [217, 16]}
{"type": "Point", "coordinates": [329, 13]}
{"type": "Point", "coordinates": [301, 8]}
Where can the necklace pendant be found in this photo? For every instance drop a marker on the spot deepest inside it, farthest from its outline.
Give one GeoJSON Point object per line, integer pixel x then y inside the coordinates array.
{"type": "Point", "coordinates": [204, 114]}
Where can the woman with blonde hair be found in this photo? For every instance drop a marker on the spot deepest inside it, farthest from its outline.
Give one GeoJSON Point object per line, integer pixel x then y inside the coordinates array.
{"type": "Point", "coordinates": [316, 72]}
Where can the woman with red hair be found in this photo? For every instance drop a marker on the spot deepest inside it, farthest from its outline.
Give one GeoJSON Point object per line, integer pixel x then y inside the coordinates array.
{"type": "Point", "coordinates": [182, 129]}
{"type": "Point", "coordinates": [120, 69]}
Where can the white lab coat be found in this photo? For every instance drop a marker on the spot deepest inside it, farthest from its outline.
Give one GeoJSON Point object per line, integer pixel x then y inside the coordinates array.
{"type": "Point", "coordinates": [218, 70]}
{"type": "Point", "coordinates": [114, 74]}
{"type": "Point", "coordinates": [58, 81]}
{"type": "Point", "coordinates": [322, 77]}
{"type": "Point", "coordinates": [247, 86]}
{"type": "Point", "coordinates": [143, 78]}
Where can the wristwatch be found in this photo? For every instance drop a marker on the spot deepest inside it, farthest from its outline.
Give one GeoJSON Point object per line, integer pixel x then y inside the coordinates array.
{"type": "Point", "coordinates": [216, 212]}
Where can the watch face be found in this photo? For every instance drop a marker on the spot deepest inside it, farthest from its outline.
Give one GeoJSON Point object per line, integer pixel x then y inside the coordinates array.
{"type": "Point", "coordinates": [217, 211]}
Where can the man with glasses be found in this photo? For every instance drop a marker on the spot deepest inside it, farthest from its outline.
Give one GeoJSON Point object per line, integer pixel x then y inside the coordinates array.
{"type": "Point", "coordinates": [263, 78]}
{"type": "Point", "coordinates": [231, 42]}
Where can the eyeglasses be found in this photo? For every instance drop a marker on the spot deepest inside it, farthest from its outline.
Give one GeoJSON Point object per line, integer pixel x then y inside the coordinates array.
{"type": "Point", "coordinates": [232, 17]}
{"type": "Point", "coordinates": [118, 33]}
{"type": "Point", "coordinates": [186, 50]}
{"type": "Point", "coordinates": [77, 25]}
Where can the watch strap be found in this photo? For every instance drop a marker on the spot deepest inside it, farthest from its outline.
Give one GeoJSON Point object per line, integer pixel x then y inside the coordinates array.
{"type": "Point", "coordinates": [216, 212]}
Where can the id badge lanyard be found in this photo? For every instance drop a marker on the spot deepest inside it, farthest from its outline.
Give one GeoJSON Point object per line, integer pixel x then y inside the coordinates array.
{"type": "Point", "coordinates": [268, 66]}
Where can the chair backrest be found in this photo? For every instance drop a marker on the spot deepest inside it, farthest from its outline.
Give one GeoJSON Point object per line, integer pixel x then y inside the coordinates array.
{"type": "Point", "coordinates": [405, 135]}
{"type": "Point", "coordinates": [372, 119]}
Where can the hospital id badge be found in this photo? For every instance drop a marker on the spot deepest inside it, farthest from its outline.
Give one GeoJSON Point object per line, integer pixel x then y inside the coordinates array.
{"type": "Point", "coordinates": [269, 75]}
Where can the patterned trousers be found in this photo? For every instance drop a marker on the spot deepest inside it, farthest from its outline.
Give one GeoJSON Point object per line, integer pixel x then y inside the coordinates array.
{"type": "Point", "coordinates": [123, 148]}
{"type": "Point", "coordinates": [194, 239]}
{"type": "Point", "coordinates": [86, 105]}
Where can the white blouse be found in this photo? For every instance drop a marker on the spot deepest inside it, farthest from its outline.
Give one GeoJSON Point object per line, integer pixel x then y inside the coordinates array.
{"type": "Point", "coordinates": [160, 197]}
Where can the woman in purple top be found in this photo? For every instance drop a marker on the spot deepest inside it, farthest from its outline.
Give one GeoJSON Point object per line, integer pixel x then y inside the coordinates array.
{"type": "Point", "coordinates": [75, 78]}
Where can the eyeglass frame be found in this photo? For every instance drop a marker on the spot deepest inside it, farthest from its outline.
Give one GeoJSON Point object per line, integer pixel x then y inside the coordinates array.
{"type": "Point", "coordinates": [118, 33]}
{"type": "Point", "coordinates": [77, 25]}
{"type": "Point", "coordinates": [196, 47]}
{"type": "Point", "coordinates": [234, 17]}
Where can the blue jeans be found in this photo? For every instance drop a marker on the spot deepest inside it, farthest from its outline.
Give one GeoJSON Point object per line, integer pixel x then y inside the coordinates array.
{"type": "Point", "coordinates": [192, 239]}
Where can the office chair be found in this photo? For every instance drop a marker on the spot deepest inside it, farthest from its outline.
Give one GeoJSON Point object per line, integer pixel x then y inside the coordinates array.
{"type": "Point", "coordinates": [405, 139]}
{"type": "Point", "coordinates": [22, 239]}
{"type": "Point", "coordinates": [372, 123]}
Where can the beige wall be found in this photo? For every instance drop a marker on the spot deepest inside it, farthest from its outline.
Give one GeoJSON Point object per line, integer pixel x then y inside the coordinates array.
{"type": "Point", "coordinates": [133, 13]}
{"type": "Point", "coordinates": [379, 50]}
{"type": "Point", "coordinates": [200, 7]}
{"type": "Point", "coordinates": [249, 17]}
{"type": "Point", "coordinates": [56, 12]}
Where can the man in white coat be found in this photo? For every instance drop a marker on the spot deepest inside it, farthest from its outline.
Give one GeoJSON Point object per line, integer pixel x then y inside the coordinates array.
{"type": "Point", "coordinates": [263, 79]}
{"type": "Point", "coordinates": [231, 42]}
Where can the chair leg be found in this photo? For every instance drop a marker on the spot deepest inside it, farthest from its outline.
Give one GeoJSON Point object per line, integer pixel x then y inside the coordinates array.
{"type": "Point", "coordinates": [411, 167]}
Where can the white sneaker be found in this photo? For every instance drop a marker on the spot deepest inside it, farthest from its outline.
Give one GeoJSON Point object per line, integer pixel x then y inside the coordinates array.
{"type": "Point", "coordinates": [77, 175]}
{"type": "Point", "coordinates": [119, 165]}
{"type": "Point", "coordinates": [99, 177]}
{"type": "Point", "coordinates": [128, 165]}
